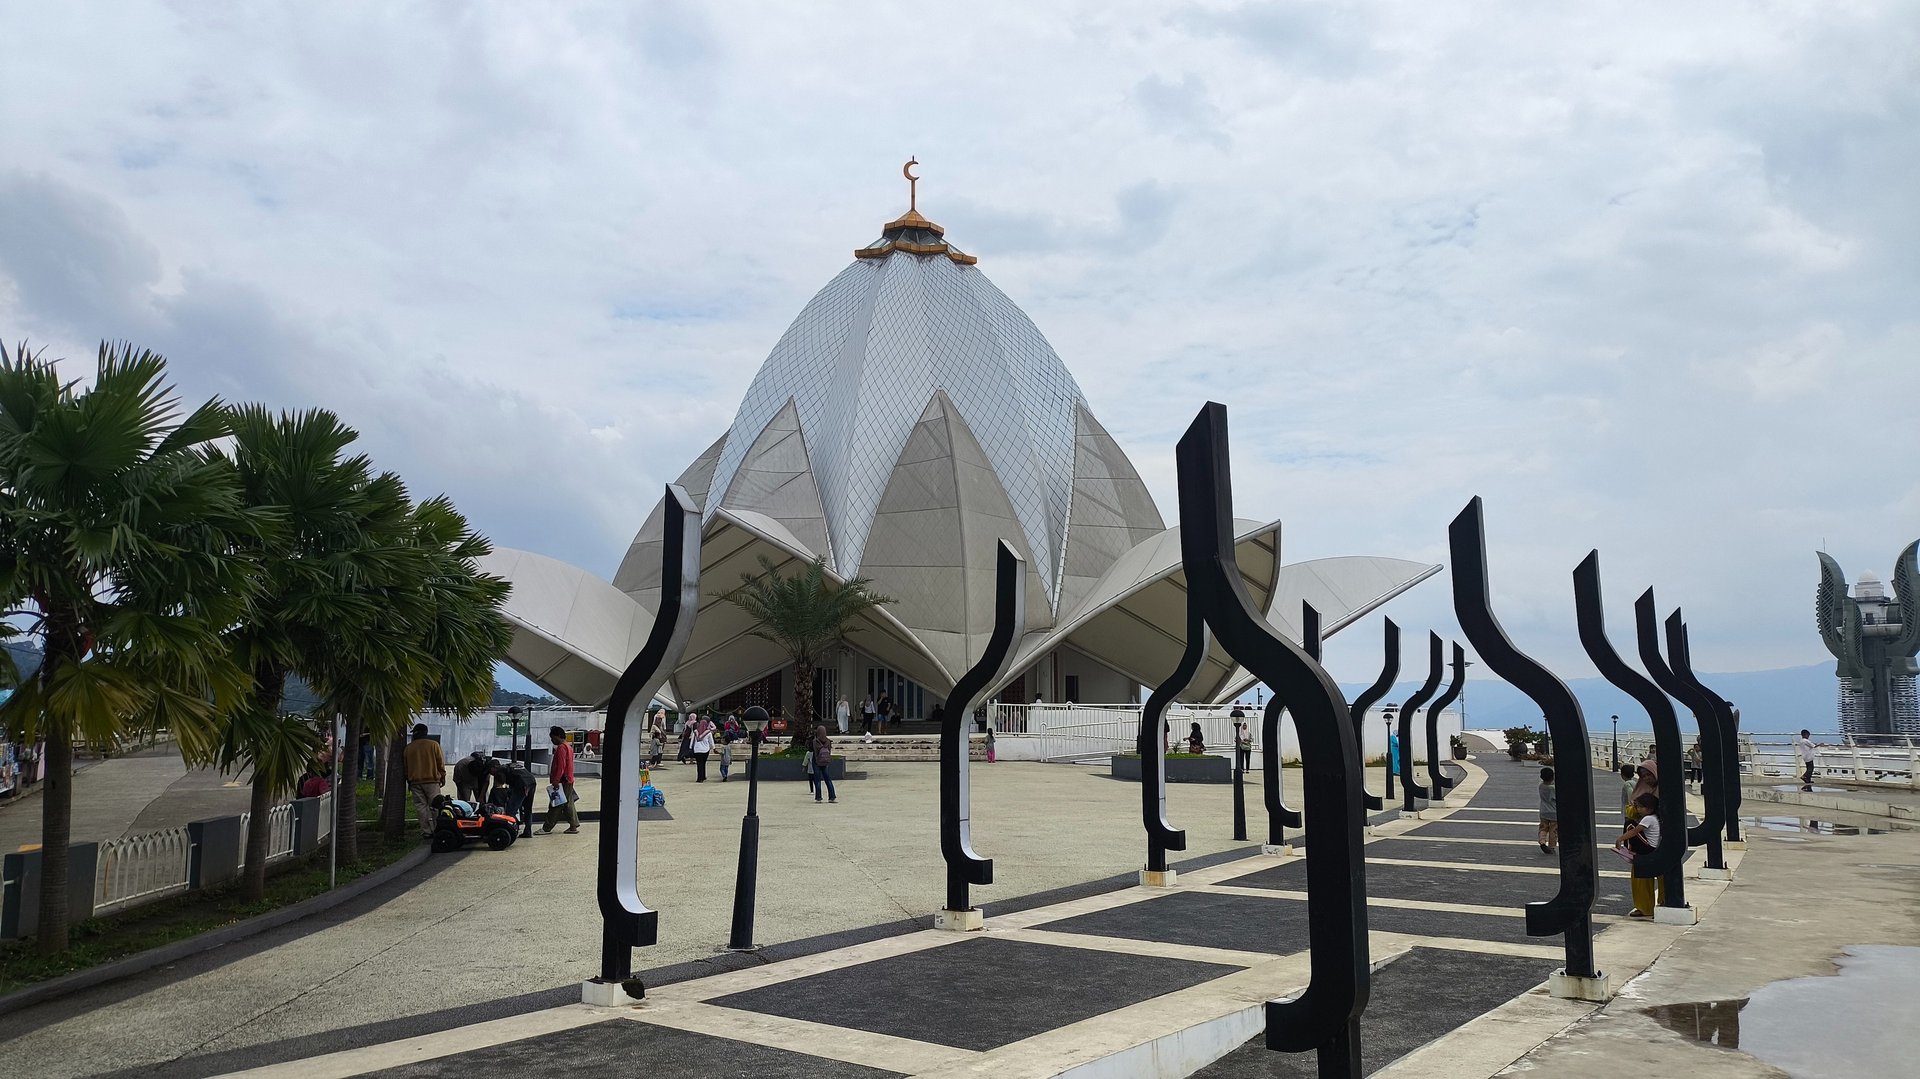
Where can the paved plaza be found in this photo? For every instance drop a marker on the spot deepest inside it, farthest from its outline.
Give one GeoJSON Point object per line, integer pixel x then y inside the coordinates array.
{"type": "Point", "coordinates": [472, 965]}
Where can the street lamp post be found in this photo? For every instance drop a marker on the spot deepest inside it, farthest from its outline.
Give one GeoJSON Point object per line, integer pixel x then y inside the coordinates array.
{"type": "Point", "coordinates": [1387, 711]}
{"type": "Point", "coordinates": [1616, 743]}
{"type": "Point", "coordinates": [1239, 785]}
{"type": "Point", "coordinates": [747, 879]}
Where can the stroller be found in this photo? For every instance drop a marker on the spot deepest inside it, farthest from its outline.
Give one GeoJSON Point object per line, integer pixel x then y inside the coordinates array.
{"type": "Point", "coordinates": [457, 821]}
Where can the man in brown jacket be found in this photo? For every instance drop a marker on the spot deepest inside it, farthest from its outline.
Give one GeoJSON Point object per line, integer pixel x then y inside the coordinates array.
{"type": "Point", "coordinates": [426, 774]}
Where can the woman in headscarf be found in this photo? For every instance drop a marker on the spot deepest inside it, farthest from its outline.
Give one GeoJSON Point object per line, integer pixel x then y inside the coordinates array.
{"type": "Point", "coordinates": [1196, 741]}
{"type": "Point", "coordinates": [1646, 784]}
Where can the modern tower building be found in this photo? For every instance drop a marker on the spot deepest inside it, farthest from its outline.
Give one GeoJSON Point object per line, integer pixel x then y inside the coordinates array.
{"type": "Point", "coordinates": [1874, 639]}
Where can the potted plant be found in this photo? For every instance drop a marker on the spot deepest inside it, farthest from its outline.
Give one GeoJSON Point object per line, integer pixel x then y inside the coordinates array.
{"type": "Point", "coordinates": [1459, 745]}
{"type": "Point", "coordinates": [1520, 740]}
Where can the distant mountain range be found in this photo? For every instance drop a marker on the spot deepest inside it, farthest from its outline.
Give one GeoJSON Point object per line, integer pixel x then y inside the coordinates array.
{"type": "Point", "coordinates": [1769, 701]}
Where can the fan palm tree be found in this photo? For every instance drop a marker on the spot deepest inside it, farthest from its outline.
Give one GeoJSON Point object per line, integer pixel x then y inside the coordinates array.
{"type": "Point", "coordinates": [340, 524]}
{"type": "Point", "coordinates": [434, 644]}
{"type": "Point", "coordinates": [807, 617]}
{"type": "Point", "coordinates": [123, 544]}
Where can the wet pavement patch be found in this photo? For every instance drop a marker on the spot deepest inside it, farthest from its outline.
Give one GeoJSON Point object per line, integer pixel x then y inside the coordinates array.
{"type": "Point", "coordinates": [979, 994]}
{"type": "Point", "coordinates": [626, 1047]}
{"type": "Point", "coordinates": [1714, 1022]}
{"type": "Point", "coordinates": [1416, 998]}
{"type": "Point", "coordinates": [1278, 926]}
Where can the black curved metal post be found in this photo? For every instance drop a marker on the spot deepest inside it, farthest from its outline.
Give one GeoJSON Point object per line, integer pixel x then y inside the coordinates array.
{"type": "Point", "coordinates": [1162, 836]}
{"type": "Point", "coordinates": [1667, 860]}
{"type": "Point", "coordinates": [964, 867]}
{"type": "Point", "coordinates": [1438, 782]}
{"type": "Point", "coordinates": [1713, 764]}
{"type": "Point", "coordinates": [626, 922]}
{"type": "Point", "coordinates": [1412, 793]}
{"type": "Point", "coordinates": [1570, 911]}
{"type": "Point", "coordinates": [1325, 1016]}
{"type": "Point", "coordinates": [1280, 816]}
{"type": "Point", "coordinates": [1707, 832]}
{"type": "Point", "coordinates": [1727, 717]}
{"type": "Point", "coordinates": [1357, 712]}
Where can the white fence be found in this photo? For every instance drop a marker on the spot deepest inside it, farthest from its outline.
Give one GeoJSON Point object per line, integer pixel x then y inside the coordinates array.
{"type": "Point", "coordinates": [143, 868]}
{"type": "Point", "coordinates": [1873, 760]}
{"type": "Point", "coordinates": [1065, 732]}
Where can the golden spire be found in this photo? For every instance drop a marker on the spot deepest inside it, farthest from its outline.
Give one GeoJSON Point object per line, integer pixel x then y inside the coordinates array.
{"type": "Point", "coordinates": [912, 233]}
{"type": "Point", "coordinates": [913, 184]}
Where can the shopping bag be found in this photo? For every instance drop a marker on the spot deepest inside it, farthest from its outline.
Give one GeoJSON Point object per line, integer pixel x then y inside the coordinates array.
{"type": "Point", "coordinates": [556, 795]}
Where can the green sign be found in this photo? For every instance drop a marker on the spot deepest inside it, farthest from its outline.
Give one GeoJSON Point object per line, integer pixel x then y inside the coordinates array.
{"type": "Point", "coordinates": [506, 726]}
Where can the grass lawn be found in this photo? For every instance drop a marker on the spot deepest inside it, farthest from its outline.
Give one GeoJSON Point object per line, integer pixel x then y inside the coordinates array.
{"type": "Point", "coordinates": [116, 936]}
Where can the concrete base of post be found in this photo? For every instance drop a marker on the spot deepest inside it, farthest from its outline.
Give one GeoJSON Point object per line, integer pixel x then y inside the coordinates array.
{"type": "Point", "coordinates": [1151, 879]}
{"type": "Point", "coordinates": [1596, 990]}
{"type": "Point", "coordinates": [1715, 874]}
{"type": "Point", "coordinates": [612, 994]}
{"type": "Point", "coordinates": [1278, 850]}
{"type": "Point", "coordinates": [1675, 915]}
{"type": "Point", "coordinates": [1735, 844]}
{"type": "Point", "coordinates": [960, 921]}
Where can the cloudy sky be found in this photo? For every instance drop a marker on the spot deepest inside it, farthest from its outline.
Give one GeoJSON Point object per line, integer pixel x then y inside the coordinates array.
{"type": "Point", "coordinates": [1642, 275]}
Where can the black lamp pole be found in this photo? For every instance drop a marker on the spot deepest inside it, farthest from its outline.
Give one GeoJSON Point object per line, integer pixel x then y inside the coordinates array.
{"type": "Point", "coordinates": [747, 880]}
{"type": "Point", "coordinates": [1616, 743]}
{"type": "Point", "coordinates": [1388, 713]}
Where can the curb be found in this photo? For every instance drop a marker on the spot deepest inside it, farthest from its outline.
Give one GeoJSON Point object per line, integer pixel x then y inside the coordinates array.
{"type": "Point", "coordinates": [141, 962]}
{"type": "Point", "coordinates": [1851, 802]}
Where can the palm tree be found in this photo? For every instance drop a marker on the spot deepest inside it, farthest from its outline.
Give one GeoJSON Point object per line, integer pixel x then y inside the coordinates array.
{"type": "Point", "coordinates": [807, 617]}
{"type": "Point", "coordinates": [124, 542]}
{"type": "Point", "coordinates": [337, 520]}
{"type": "Point", "coordinates": [434, 644]}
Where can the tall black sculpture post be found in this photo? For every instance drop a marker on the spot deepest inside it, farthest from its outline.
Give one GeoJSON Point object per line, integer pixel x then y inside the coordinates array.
{"type": "Point", "coordinates": [964, 867]}
{"type": "Point", "coordinates": [1389, 670]}
{"type": "Point", "coordinates": [1413, 795]}
{"type": "Point", "coordinates": [1727, 718]}
{"type": "Point", "coordinates": [1667, 861]}
{"type": "Point", "coordinates": [1326, 1015]}
{"type": "Point", "coordinates": [1707, 832]}
{"type": "Point", "coordinates": [626, 922]}
{"type": "Point", "coordinates": [1438, 782]}
{"type": "Point", "coordinates": [1162, 836]}
{"type": "Point", "coordinates": [1723, 762]}
{"type": "Point", "coordinates": [1281, 816]}
{"type": "Point", "coordinates": [1570, 911]}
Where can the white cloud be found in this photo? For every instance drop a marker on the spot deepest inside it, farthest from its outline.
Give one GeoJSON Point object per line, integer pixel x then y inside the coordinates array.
{"type": "Point", "coordinates": [1642, 276]}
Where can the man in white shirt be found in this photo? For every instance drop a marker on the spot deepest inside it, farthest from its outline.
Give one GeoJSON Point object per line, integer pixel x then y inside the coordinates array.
{"type": "Point", "coordinates": [1804, 746]}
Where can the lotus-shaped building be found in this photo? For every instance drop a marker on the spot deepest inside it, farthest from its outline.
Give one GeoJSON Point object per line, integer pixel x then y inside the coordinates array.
{"type": "Point", "coordinates": [910, 419]}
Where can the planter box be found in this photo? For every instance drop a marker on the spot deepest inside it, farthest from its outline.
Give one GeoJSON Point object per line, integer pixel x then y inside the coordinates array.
{"type": "Point", "coordinates": [774, 769]}
{"type": "Point", "coordinates": [1179, 769]}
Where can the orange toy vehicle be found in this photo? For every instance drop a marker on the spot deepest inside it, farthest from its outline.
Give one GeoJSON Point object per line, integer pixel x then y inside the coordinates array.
{"type": "Point", "coordinates": [459, 821]}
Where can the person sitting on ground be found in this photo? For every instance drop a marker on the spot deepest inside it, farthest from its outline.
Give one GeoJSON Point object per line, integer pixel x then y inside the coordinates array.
{"type": "Point", "coordinates": [1196, 741]}
{"type": "Point", "coordinates": [1549, 813]}
{"type": "Point", "coordinates": [1641, 838]}
{"type": "Point", "coordinates": [470, 777]}
{"type": "Point", "coordinates": [314, 784]}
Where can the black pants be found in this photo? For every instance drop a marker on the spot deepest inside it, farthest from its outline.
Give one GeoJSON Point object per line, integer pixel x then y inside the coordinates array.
{"type": "Point", "coordinates": [1243, 759]}
{"type": "Point", "coordinates": [1806, 776]}
{"type": "Point", "coordinates": [700, 763]}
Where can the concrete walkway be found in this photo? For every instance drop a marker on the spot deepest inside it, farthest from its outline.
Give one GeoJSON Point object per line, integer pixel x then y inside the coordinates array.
{"type": "Point", "coordinates": [144, 791]}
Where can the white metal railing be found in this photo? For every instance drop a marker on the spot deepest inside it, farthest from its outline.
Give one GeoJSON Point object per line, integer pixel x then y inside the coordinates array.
{"type": "Point", "coordinates": [1064, 732]}
{"type": "Point", "coordinates": [141, 868]}
{"type": "Point", "coordinates": [1861, 760]}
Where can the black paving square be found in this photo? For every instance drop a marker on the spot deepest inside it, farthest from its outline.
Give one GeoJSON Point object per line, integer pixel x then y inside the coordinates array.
{"type": "Point", "coordinates": [1416, 998]}
{"type": "Point", "coordinates": [1482, 887]}
{"type": "Point", "coordinates": [981, 993]}
{"type": "Point", "coordinates": [1256, 924]}
{"type": "Point", "coordinates": [1413, 847]}
{"type": "Point", "coordinates": [1467, 829]}
{"type": "Point", "coordinates": [624, 1047]}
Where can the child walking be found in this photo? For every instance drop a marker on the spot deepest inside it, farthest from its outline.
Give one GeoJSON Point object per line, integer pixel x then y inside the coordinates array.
{"type": "Point", "coordinates": [1549, 813]}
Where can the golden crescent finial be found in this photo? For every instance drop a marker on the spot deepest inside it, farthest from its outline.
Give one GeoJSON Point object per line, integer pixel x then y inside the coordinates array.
{"type": "Point", "coordinates": [913, 183]}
